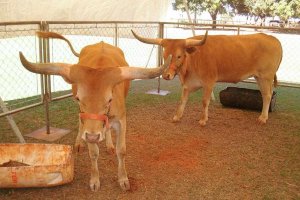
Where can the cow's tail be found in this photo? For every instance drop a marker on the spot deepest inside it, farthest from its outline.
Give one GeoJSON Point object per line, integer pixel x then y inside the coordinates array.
{"type": "Point", "coordinates": [275, 77]}
{"type": "Point", "coordinates": [58, 36]}
{"type": "Point", "coordinates": [275, 81]}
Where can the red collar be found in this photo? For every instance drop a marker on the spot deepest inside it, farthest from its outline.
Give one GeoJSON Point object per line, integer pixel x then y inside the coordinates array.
{"type": "Point", "coordinates": [92, 116]}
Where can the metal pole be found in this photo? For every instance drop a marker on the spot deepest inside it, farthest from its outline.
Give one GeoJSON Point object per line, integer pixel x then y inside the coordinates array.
{"type": "Point", "coordinates": [41, 60]}
{"type": "Point", "coordinates": [46, 102]}
{"type": "Point", "coordinates": [12, 122]}
{"type": "Point", "coordinates": [159, 51]}
{"type": "Point", "coordinates": [116, 35]}
{"type": "Point", "coordinates": [150, 56]}
{"type": "Point", "coordinates": [47, 83]}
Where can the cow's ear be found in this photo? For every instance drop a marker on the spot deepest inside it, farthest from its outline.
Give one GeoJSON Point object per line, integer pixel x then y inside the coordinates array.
{"type": "Point", "coordinates": [190, 50]}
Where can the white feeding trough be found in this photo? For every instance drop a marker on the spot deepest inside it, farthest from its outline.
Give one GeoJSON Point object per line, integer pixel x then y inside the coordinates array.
{"type": "Point", "coordinates": [35, 165]}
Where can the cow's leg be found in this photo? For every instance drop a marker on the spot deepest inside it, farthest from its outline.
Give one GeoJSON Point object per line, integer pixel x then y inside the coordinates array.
{"type": "Point", "coordinates": [120, 128]}
{"type": "Point", "coordinates": [207, 90]}
{"type": "Point", "coordinates": [184, 98]}
{"type": "Point", "coordinates": [266, 90]}
{"type": "Point", "coordinates": [79, 143]}
{"type": "Point", "coordinates": [109, 144]}
{"type": "Point", "coordinates": [94, 154]}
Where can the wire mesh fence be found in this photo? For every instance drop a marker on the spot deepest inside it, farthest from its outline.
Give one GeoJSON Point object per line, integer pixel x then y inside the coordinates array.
{"type": "Point", "coordinates": [21, 89]}
{"type": "Point", "coordinates": [16, 82]}
{"type": "Point", "coordinates": [136, 53]}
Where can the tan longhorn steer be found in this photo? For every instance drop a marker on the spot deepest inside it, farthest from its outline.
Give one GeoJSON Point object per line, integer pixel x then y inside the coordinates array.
{"type": "Point", "coordinates": [100, 83]}
{"type": "Point", "coordinates": [201, 61]}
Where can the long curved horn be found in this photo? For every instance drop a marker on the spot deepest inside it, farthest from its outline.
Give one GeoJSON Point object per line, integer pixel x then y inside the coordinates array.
{"type": "Point", "coordinates": [142, 73]}
{"type": "Point", "coordinates": [147, 40]}
{"type": "Point", "coordinates": [61, 69]}
{"type": "Point", "coordinates": [194, 42]}
{"type": "Point", "coordinates": [57, 36]}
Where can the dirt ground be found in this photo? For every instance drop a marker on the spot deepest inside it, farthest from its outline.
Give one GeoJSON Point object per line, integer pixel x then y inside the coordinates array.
{"type": "Point", "coordinates": [233, 157]}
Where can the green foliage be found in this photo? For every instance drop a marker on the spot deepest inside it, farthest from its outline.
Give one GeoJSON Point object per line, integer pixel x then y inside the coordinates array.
{"type": "Point", "coordinates": [239, 7]}
{"type": "Point", "coordinates": [285, 9]}
{"type": "Point", "coordinates": [260, 8]}
{"type": "Point", "coordinates": [213, 7]}
{"type": "Point", "coordinates": [193, 5]}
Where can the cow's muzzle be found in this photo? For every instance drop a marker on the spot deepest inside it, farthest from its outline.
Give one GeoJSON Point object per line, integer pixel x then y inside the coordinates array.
{"type": "Point", "coordinates": [170, 73]}
{"type": "Point", "coordinates": [168, 76]}
{"type": "Point", "coordinates": [94, 137]}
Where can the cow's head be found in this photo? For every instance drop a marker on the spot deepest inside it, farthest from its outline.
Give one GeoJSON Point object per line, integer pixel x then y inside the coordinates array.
{"type": "Point", "coordinates": [178, 48]}
{"type": "Point", "coordinates": [93, 89]}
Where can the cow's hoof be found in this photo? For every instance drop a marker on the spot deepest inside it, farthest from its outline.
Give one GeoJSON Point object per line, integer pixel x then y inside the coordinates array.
{"type": "Point", "coordinates": [202, 122]}
{"type": "Point", "coordinates": [262, 120]}
{"type": "Point", "coordinates": [124, 184]}
{"type": "Point", "coordinates": [175, 119]}
{"type": "Point", "coordinates": [94, 184]}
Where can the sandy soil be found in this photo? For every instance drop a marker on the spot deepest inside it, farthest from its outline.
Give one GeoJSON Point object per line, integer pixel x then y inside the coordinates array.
{"type": "Point", "coordinates": [231, 158]}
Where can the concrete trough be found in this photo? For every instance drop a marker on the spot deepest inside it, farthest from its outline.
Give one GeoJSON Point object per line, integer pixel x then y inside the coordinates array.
{"type": "Point", "coordinates": [35, 165]}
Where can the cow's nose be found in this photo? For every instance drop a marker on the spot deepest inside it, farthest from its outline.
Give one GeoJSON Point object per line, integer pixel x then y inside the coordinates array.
{"type": "Point", "coordinates": [93, 138]}
{"type": "Point", "coordinates": [166, 76]}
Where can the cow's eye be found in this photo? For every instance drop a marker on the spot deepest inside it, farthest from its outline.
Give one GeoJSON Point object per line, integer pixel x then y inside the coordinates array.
{"type": "Point", "coordinates": [178, 57]}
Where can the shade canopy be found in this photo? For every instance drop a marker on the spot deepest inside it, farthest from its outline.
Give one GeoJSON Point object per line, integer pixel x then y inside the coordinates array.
{"type": "Point", "coordinates": [78, 10]}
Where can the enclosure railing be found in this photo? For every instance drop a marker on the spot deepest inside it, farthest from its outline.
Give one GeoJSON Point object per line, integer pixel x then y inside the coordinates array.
{"type": "Point", "coordinates": [22, 90]}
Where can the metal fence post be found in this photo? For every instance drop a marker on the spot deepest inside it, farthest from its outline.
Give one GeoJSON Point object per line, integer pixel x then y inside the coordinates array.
{"type": "Point", "coordinates": [46, 133]}
{"type": "Point", "coordinates": [46, 78]}
{"type": "Point", "coordinates": [159, 51]}
{"type": "Point", "coordinates": [116, 35]}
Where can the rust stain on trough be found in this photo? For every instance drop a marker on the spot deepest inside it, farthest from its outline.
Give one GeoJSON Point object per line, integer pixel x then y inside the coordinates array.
{"type": "Point", "coordinates": [35, 165]}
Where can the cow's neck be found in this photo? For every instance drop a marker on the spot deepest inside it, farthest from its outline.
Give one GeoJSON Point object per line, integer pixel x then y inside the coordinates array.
{"type": "Point", "coordinates": [181, 77]}
{"type": "Point", "coordinates": [182, 73]}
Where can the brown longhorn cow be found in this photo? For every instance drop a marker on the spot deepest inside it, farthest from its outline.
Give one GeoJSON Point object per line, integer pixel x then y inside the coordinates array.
{"type": "Point", "coordinates": [100, 83]}
{"type": "Point", "coordinates": [201, 61]}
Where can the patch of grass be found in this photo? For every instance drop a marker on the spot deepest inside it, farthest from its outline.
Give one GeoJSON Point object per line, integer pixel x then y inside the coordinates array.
{"type": "Point", "coordinates": [287, 99]}
{"type": "Point", "coordinates": [265, 166]}
{"type": "Point", "coordinates": [63, 113]}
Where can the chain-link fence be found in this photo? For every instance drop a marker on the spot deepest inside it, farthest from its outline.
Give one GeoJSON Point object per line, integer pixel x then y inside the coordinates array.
{"type": "Point", "coordinates": [20, 89]}
{"type": "Point", "coordinates": [16, 82]}
{"type": "Point", "coordinates": [136, 53]}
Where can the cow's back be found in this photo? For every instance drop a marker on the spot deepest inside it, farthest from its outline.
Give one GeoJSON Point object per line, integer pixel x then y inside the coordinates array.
{"type": "Point", "coordinates": [234, 58]}
{"type": "Point", "coordinates": [103, 55]}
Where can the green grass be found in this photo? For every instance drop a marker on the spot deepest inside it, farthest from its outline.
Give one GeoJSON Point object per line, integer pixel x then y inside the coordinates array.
{"type": "Point", "coordinates": [287, 98]}
{"type": "Point", "coordinates": [63, 113]}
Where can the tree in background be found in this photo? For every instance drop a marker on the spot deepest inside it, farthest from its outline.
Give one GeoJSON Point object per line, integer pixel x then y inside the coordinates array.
{"type": "Point", "coordinates": [286, 9]}
{"type": "Point", "coordinates": [213, 7]}
{"type": "Point", "coordinates": [192, 6]}
{"type": "Point", "coordinates": [259, 9]}
{"type": "Point", "coordinates": [239, 7]}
